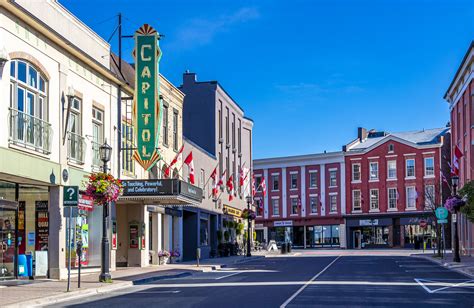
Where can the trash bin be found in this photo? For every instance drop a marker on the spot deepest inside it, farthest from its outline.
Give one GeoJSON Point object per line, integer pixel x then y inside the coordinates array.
{"type": "Point", "coordinates": [283, 248]}
{"type": "Point", "coordinates": [29, 265]}
{"type": "Point", "coordinates": [22, 266]}
{"type": "Point", "coordinates": [288, 247]}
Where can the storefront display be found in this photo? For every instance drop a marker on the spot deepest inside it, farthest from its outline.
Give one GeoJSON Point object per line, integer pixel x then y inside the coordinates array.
{"type": "Point", "coordinates": [42, 225]}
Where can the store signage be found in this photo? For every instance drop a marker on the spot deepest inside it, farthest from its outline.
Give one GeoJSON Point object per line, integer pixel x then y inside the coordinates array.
{"type": "Point", "coordinates": [42, 225]}
{"type": "Point", "coordinates": [190, 191]}
{"type": "Point", "coordinates": [283, 223]}
{"type": "Point", "coordinates": [232, 211]}
{"type": "Point", "coordinates": [147, 187]}
{"type": "Point", "coordinates": [70, 195]}
{"type": "Point", "coordinates": [423, 223]}
{"type": "Point", "coordinates": [86, 203]}
{"type": "Point", "coordinates": [442, 213]}
{"type": "Point", "coordinates": [173, 212]}
{"type": "Point", "coordinates": [147, 104]}
{"type": "Point", "coordinates": [368, 222]}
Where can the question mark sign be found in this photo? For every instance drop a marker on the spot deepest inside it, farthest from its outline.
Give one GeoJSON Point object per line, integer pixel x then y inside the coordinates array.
{"type": "Point", "coordinates": [70, 191]}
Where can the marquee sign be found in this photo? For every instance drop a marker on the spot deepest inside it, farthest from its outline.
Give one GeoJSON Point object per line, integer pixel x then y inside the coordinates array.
{"type": "Point", "coordinates": [146, 104]}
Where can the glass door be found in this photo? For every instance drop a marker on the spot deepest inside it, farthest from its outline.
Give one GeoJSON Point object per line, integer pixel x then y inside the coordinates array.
{"type": "Point", "coordinates": [8, 245]}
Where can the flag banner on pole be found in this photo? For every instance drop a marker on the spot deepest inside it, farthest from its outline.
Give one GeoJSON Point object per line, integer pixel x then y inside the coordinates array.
{"type": "Point", "coordinates": [230, 187]}
{"type": "Point", "coordinates": [189, 162]}
{"type": "Point", "coordinates": [214, 183]}
{"type": "Point", "coordinates": [264, 187]}
{"type": "Point", "coordinates": [173, 162]}
{"type": "Point", "coordinates": [146, 103]}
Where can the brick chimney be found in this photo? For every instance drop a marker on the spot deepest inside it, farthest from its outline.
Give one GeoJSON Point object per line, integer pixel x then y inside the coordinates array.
{"type": "Point", "coordinates": [362, 133]}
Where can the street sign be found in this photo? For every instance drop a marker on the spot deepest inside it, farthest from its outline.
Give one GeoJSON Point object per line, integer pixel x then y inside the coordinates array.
{"type": "Point", "coordinates": [442, 213]}
{"type": "Point", "coordinates": [442, 221]}
{"type": "Point", "coordinates": [70, 195]}
{"type": "Point", "coordinates": [423, 223]}
{"type": "Point", "coordinates": [454, 217]}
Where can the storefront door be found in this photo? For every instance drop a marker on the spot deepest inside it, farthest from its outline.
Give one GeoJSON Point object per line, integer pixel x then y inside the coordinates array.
{"type": "Point", "coordinates": [357, 239]}
{"type": "Point", "coordinates": [8, 243]}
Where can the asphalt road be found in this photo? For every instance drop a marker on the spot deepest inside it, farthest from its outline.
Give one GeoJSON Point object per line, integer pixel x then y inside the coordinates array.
{"type": "Point", "coordinates": [329, 281]}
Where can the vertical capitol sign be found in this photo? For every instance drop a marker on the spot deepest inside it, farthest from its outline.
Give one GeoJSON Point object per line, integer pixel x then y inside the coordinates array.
{"type": "Point", "coordinates": [146, 104]}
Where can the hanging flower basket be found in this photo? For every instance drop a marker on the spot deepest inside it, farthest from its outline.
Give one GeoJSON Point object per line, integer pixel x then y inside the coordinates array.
{"type": "Point", "coordinates": [248, 214]}
{"type": "Point", "coordinates": [103, 188]}
{"type": "Point", "coordinates": [454, 203]}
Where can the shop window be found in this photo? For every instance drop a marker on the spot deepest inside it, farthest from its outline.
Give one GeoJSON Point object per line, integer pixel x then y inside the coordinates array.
{"type": "Point", "coordinates": [28, 112]}
{"type": "Point", "coordinates": [276, 207]}
{"type": "Point", "coordinates": [204, 232]}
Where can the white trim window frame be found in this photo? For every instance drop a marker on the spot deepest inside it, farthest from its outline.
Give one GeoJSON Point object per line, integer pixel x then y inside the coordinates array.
{"type": "Point", "coordinates": [294, 205]}
{"type": "Point", "coordinates": [294, 180]}
{"type": "Point", "coordinates": [356, 200]}
{"type": "Point", "coordinates": [275, 207]}
{"type": "Point", "coordinates": [374, 199]}
{"type": "Point", "coordinates": [429, 166]}
{"type": "Point", "coordinates": [410, 168]}
{"type": "Point", "coordinates": [332, 203]}
{"type": "Point", "coordinates": [410, 197]}
{"type": "Point", "coordinates": [313, 180]}
{"type": "Point", "coordinates": [430, 193]}
{"type": "Point", "coordinates": [275, 180]}
{"type": "Point", "coordinates": [373, 171]}
{"type": "Point", "coordinates": [313, 203]}
{"type": "Point", "coordinates": [356, 168]}
{"type": "Point", "coordinates": [392, 198]}
{"type": "Point", "coordinates": [391, 170]}
{"type": "Point", "coordinates": [333, 178]}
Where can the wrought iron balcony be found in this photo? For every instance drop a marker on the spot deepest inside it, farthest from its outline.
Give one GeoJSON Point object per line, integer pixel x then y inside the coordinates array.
{"type": "Point", "coordinates": [29, 131]}
{"type": "Point", "coordinates": [75, 147]}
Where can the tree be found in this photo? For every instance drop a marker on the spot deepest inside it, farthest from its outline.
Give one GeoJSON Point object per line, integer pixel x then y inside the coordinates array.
{"type": "Point", "coordinates": [467, 192]}
{"type": "Point", "coordinates": [430, 209]}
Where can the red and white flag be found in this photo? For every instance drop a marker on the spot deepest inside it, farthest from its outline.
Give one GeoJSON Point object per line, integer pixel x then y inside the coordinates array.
{"type": "Point", "coordinates": [254, 191]}
{"type": "Point", "coordinates": [444, 178]}
{"type": "Point", "coordinates": [173, 162]}
{"type": "Point", "coordinates": [264, 187]}
{"type": "Point", "coordinates": [457, 156]}
{"type": "Point", "coordinates": [221, 180]}
{"type": "Point", "coordinates": [189, 162]}
{"type": "Point", "coordinates": [214, 183]}
{"type": "Point", "coordinates": [230, 187]}
{"type": "Point", "coordinates": [242, 176]}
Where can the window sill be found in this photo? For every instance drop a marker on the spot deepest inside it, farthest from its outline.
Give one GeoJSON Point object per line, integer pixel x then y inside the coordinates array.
{"type": "Point", "coordinates": [73, 163]}
{"type": "Point", "coordinates": [356, 211]}
{"type": "Point", "coordinates": [313, 187]}
{"type": "Point", "coordinates": [294, 215]}
{"type": "Point", "coordinates": [276, 216]}
{"type": "Point", "coordinates": [429, 177]}
{"type": "Point", "coordinates": [293, 189]}
{"type": "Point", "coordinates": [374, 211]}
{"type": "Point", "coordinates": [332, 186]}
{"type": "Point", "coordinates": [391, 179]}
{"type": "Point", "coordinates": [313, 214]}
{"type": "Point", "coordinates": [392, 210]}
{"type": "Point", "coordinates": [275, 190]}
{"type": "Point", "coordinates": [356, 182]}
{"type": "Point", "coordinates": [410, 209]}
{"type": "Point", "coordinates": [410, 178]}
{"type": "Point", "coordinates": [332, 213]}
{"type": "Point", "coordinates": [374, 181]}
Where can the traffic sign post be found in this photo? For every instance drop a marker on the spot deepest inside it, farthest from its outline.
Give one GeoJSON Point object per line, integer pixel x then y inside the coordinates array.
{"type": "Point", "coordinates": [70, 199]}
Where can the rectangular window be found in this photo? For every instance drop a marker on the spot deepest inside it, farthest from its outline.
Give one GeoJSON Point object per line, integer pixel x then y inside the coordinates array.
{"type": "Point", "coordinates": [175, 130]}
{"type": "Point", "coordinates": [220, 123]}
{"type": "Point", "coordinates": [313, 202]}
{"type": "Point", "coordinates": [294, 180]}
{"type": "Point", "coordinates": [374, 171]}
{"type": "Point", "coordinates": [430, 197]}
{"type": "Point", "coordinates": [275, 182]}
{"type": "Point", "coordinates": [239, 136]}
{"type": "Point", "coordinates": [276, 207]}
{"type": "Point", "coordinates": [97, 134]}
{"type": "Point", "coordinates": [411, 197]}
{"type": "Point", "coordinates": [410, 168]}
{"type": "Point", "coordinates": [429, 166]}
{"type": "Point", "coordinates": [258, 181]}
{"type": "Point", "coordinates": [258, 205]}
{"type": "Point", "coordinates": [392, 198]}
{"type": "Point", "coordinates": [202, 179]}
{"type": "Point", "coordinates": [204, 232]}
{"type": "Point", "coordinates": [75, 139]}
{"type": "Point", "coordinates": [313, 177]}
{"type": "Point", "coordinates": [392, 169]}
{"type": "Point", "coordinates": [294, 206]}
{"type": "Point", "coordinates": [165, 125]}
{"type": "Point", "coordinates": [374, 199]}
{"type": "Point", "coordinates": [356, 204]}
{"type": "Point", "coordinates": [233, 130]}
{"type": "Point", "coordinates": [128, 164]}
{"type": "Point", "coordinates": [227, 126]}
{"type": "Point", "coordinates": [333, 203]}
{"type": "Point", "coordinates": [332, 178]}
{"type": "Point", "coordinates": [355, 172]}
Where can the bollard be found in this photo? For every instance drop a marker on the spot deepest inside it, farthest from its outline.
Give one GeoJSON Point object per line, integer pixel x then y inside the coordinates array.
{"type": "Point", "coordinates": [283, 248]}
{"type": "Point", "coordinates": [198, 255]}
{"type": "Point", "coordinates": [288, 247]}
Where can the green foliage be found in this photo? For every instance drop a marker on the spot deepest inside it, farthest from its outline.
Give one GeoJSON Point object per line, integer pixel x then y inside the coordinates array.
{"type": "Point", "coordinates": [468, 192]}
{"type": "Point", "coordinates": [226, 236]}
{"type": "Point", "coordinates": [219, 236]}
{"type": "Point", "coordinates": [224, 223]}
{"type": "Point", "coordinates": [239, 228]}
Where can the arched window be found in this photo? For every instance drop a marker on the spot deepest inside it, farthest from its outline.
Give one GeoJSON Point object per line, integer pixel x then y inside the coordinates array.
{"type": "Point", "coordinates": [390, 148]}
{"type": "Point", "coordinates": [29, 106]}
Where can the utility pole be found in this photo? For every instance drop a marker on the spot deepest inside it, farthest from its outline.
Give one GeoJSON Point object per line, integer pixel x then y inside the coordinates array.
{"type": "Point", "coordinates": [119, 97]}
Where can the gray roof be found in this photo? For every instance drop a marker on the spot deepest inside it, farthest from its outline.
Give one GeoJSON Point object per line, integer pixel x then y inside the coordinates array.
{"type": "Point", "coordinates": [420, 137]}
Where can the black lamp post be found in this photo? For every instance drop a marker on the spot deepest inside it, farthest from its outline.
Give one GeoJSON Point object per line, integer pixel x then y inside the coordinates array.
{"type": "Point", "coordinates": [456, 258]}
{"type": "Point", "coordinates": [249, 201]}
{"type": "Point", "coordinates": [105, 152]}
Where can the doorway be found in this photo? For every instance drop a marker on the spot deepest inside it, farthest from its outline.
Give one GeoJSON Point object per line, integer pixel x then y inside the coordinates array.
{"type": "Point", "coordinates": [357, 239]}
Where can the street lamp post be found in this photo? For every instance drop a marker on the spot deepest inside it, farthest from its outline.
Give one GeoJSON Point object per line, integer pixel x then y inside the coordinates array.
{"type": "Point", "coordinates": [456, 258]}
{"type": "Point", "coordinates": [105, 152]}
{"type": "Point", "coordinates": [249, 200]}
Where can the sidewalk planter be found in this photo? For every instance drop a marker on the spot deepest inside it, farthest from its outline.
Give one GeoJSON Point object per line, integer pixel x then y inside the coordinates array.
{"type": "Point", "coordinates": [163, 256]}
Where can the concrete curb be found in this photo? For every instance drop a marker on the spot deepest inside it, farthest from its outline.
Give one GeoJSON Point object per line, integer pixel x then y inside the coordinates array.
{"type": "Point", "coordinates": [67, 296]}
{"type": "Point", "coordinates": [445, 265]}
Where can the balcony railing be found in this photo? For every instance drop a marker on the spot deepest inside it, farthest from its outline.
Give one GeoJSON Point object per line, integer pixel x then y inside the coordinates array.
{"type": "Point", "coordinates": [29, 131]}
{"type": "Point", "coordinates": [75, 147]}
{"type": "Point", "coordinates": [95, 154]}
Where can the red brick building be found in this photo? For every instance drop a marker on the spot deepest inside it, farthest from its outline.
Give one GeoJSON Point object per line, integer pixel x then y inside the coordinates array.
{"type": "Point", "coordinates": [392, 182]}
{"type": "Point", "coordinates": [460, 98]}
{"type": "Point", "coordinates": [305, 200]}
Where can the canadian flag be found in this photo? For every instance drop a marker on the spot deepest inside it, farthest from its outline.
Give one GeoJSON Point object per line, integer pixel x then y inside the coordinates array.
{"type": "Point", "coordinates": [457, 156]}
{"type": "Point", "coordinates": [173, 162]}
{"type": "Point", "coordinates": [264, 187]}
{"type": "Point", "coordinates": [230, 187]}
{"type": "Point", "coordinates": [221, 180]}
{"type": "Point", "coordinates": [189, 162]}
{"type": "Point", "coordinates": [214, 183]}
{"type": "Point", "coordinates": [242, 176]}
{"type": "Point", "coordinates": [254, 191]}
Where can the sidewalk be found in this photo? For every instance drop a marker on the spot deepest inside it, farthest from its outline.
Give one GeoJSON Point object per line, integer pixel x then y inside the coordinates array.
{"type": "Point", "coordinates": [45, 292]}
{"type": "Point", "coordinates": [466, 266]}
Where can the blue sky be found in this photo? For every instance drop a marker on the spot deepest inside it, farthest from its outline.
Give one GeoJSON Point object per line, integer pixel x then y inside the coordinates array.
{"type": "Point", "coordinates": [308, 72]}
